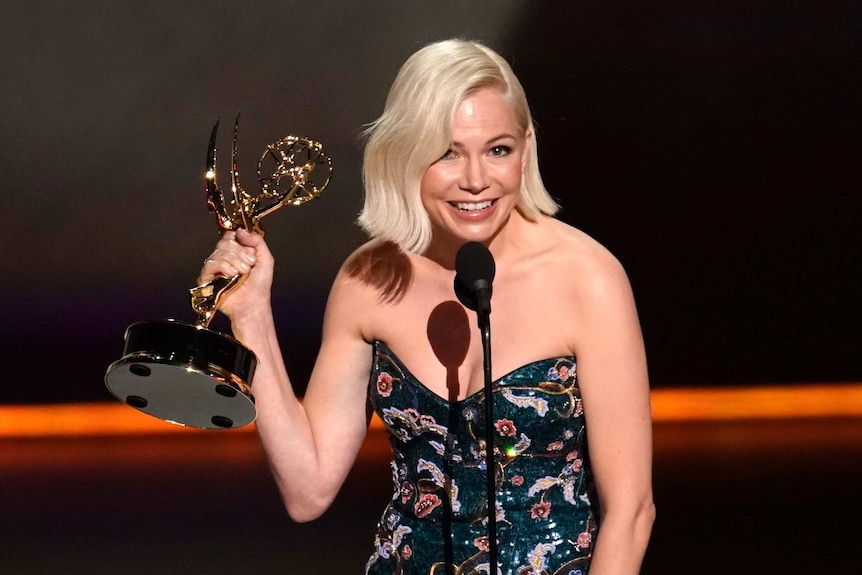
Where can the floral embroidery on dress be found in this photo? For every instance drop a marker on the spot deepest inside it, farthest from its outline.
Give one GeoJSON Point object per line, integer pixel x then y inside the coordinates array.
{"type": "Point", "coordinates": [540, 405]}
{"type": "Point", "coordinates": [505, 427]}
{"type": "Point", "coordinates": [426, 504]}
{"type": "Point", "coordinates": [540, 510]}
{"type": "Point", "coordinates": [584, 540]}
{"type": "Point", "coordinates": [436, 522]}
{"type": "Point", "coordinates": [439, 479]}
{"type": "Point", "coordinates": [538, 558]}
{"type": "Point", "coordinates": [387, 543]}
{"type": "Point", "coordinates": [384, 384]}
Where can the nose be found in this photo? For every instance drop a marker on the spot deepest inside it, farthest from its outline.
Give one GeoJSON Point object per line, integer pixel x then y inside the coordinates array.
{"type": "Point", "coordinates": [474, 178]}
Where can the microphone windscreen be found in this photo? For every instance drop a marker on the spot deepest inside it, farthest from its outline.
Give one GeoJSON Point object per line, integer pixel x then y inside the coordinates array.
{"type": "Point", "coordinates": [474, 262]}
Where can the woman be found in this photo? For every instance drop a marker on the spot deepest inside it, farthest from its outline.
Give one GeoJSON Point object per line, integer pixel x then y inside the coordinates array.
{"type": "Point", "coordinates": [451, 160]}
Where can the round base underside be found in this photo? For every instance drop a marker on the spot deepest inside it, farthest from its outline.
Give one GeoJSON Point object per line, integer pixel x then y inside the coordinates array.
{"type": "Point", "coordinates": [180, 394]}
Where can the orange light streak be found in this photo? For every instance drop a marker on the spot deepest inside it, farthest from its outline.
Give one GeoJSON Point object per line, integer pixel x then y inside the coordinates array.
{"type": "Point", "coordinates": [808, 401]}
{"type": "Point", "coordinates": [683, 404]}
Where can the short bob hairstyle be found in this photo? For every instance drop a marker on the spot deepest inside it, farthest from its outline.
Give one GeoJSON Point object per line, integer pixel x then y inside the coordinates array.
{"type": "Point", "coordinates": [415, 131]}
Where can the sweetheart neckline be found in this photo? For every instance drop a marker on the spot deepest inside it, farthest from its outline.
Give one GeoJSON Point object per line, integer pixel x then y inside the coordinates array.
{"type": "Point", "coordinates": [401, 365]}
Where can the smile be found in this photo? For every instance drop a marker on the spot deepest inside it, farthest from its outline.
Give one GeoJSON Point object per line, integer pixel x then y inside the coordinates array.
{"type": "Point", "coordinates": [473, 206]}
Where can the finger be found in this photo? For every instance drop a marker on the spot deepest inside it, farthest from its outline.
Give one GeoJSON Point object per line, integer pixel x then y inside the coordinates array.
{"type": "Point", "coordinates": [247, 238]}
{"type": "Point", "coordinates": [213, 269]}
{"type": "Point", "coordinates": [231, 262]}
{"type": "Point", "coordinates": [255, 242]}
{"type": "Point", "coordinates": [229, 245]}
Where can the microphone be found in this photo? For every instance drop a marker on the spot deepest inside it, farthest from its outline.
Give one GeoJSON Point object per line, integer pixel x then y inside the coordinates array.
{"type": "Point", "coordinates": [474, 276]}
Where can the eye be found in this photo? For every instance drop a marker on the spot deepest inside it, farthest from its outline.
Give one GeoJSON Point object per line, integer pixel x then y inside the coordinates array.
{"type": "Point", "coordinates": [499, 151]}
{"type": "Point", "coordinates": [448, 155]}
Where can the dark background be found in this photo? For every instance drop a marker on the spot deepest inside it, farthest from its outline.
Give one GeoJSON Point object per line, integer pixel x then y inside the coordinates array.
{"type": "Point", "coordinates": [712, 146]}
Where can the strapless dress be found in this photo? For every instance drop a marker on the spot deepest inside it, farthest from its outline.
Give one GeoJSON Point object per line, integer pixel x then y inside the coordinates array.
{"type": "Point", "coordinates": [436, 522]}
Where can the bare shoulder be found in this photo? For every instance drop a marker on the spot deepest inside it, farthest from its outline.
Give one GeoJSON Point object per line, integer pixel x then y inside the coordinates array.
{"type": "Point", "coordinates": [381, 267]}
{"type": "Point", "coordinates": [592, 290]}
{"type": "Point", "coordinates": [563, 277]}
{"type": "Point", "coordinates": [594, 271]}
{"type": "Point", "coordinates": [374, 275]}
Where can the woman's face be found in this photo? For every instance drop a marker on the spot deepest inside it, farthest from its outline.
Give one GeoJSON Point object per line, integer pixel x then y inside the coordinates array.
{"type": "Point", "coordinates": [470, 192]}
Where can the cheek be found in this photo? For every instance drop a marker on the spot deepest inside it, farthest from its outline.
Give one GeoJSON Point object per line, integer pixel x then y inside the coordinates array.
{"type": "Point", "coordinates": [424, 190]}
{"type": "Point", "coordinates": [511, 178]}
{"type": "Point", "coordinates": [431, 185]}
{"type": "Point", "coordinates": [426, 193]}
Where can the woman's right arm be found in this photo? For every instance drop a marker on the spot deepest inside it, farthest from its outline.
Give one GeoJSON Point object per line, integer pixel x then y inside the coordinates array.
{"type": "Point", "coordinates": [311, 444]}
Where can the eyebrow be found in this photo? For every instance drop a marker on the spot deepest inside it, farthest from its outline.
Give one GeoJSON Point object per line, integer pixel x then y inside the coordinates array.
{"type": "Point", "coordinates": [504, 136]}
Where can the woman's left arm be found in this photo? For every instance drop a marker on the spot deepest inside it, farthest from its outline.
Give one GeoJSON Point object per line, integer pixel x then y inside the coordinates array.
{"type": "Point", "coordinates": [614, 385]}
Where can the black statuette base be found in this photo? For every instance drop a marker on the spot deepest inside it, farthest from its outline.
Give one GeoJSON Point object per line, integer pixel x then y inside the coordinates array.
{"type": "Point", "coordinates": [185, 374]}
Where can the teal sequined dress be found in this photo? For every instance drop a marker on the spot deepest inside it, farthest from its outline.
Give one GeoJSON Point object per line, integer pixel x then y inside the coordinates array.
{"type": "Point", "coordinates": [436, 522]}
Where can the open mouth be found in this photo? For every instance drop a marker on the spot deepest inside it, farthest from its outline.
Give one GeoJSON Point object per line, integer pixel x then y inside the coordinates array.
{"type": "Point", "coordinates": [472, 206]}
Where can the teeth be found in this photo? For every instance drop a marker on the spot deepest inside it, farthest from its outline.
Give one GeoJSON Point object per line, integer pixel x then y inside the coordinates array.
{"type": "Point", "coordinates": [472, 206]}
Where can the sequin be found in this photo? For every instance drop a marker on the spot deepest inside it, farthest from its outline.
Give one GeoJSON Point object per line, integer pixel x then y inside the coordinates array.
{"type": "Point", "coordinates": [436, 522]}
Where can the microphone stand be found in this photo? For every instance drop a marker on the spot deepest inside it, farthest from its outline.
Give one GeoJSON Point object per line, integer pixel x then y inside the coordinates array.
{"type": "Point", "coordinates": [483, 315]}
{"type": "Point", "coordinates": [474, 272]}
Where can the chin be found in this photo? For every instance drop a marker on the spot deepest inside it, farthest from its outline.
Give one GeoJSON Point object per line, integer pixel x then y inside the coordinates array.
{"type": "Point", "coordinates": [483, 236]}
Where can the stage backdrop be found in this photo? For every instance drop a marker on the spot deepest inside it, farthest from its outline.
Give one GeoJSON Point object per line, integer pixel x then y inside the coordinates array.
{"type": "Point", "coordinates": [714, 149]}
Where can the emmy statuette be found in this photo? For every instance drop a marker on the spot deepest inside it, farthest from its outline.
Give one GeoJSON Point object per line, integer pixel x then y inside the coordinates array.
{"type": "Point", "coordinates": [189, 374]}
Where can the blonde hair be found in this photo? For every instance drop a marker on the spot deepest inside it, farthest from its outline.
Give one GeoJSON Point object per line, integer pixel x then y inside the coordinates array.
{"type": "Point", "coordinates": [415, 131]}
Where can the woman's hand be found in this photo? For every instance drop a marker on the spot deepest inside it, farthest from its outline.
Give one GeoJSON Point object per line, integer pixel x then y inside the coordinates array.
{"type": "Point", "coordinates": [242, 253]}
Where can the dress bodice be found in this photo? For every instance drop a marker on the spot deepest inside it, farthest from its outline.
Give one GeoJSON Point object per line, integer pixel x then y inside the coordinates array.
{"type": "Point", "coordinates": [436, 522]}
